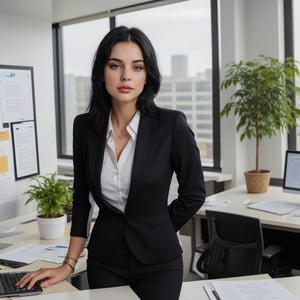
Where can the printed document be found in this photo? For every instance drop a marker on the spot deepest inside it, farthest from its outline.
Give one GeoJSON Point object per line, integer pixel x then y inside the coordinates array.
{"type": "Point", "coordinates": [267, 289]}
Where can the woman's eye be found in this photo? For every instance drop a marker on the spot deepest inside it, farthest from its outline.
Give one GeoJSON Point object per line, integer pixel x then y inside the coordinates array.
{"type": "Point", "coordinates": [114, 66]}
{"type": "Point", "coordinates": [138, 68]}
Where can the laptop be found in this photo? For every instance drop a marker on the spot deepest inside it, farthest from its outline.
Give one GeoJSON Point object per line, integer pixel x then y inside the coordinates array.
{"type": "Point", "coordinates": [8, 285]}
{"type": "Point", "coordinates": [291, 184]}
{"type": "Point", "coordinates": [291, 177]}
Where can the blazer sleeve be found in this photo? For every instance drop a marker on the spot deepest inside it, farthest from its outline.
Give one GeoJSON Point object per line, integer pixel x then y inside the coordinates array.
{"type": "Point", "coordinates": [81, 203]}
{"type": "Point", "coordinates": [187, 166]}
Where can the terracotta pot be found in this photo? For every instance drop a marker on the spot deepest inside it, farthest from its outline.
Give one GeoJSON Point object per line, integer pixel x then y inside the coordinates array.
{"type": "Point", "coordinates": [257, 182]}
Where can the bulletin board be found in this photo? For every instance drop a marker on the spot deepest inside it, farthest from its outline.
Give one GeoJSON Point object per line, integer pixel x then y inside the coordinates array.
{"type": "Point", "coordinates": [18, 133]}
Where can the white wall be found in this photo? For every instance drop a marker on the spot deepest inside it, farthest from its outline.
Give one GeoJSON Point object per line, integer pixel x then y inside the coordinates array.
{"type": "Point", "coordinates": [249, 28]}
{"type": "Point", "coordinates": [26, 40]}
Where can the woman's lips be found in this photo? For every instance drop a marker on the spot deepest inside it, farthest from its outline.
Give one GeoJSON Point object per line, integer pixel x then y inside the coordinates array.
{"type": "Point", "coordinates": [124, 89]}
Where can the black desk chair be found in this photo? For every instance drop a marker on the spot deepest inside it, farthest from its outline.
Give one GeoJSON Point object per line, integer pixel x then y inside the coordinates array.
{"type": "Point", "coordinates": [236, 248]}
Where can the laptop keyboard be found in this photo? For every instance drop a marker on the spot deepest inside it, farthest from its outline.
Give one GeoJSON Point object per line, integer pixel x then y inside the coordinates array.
{"type": "Point", "coordinates": [8, 285]}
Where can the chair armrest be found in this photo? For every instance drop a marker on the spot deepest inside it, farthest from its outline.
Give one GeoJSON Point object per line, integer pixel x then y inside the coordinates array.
{"type": "Point", "coordinates": [202, 248]}
{"type": "Point", "coordinates": [271, 250]}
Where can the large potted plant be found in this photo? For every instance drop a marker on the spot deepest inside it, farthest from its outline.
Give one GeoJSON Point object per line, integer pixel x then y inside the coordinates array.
{"type": "Point", "coordinates": [52, 197]}
{"type": "Point", "coordinates": [262, 103]}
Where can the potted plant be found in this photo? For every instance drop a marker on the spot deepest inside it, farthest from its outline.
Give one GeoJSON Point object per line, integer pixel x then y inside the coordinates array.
{"type": "Point", "coordinates": [52, 197]}
{"type": "Point", "coordinates": [262, 103]}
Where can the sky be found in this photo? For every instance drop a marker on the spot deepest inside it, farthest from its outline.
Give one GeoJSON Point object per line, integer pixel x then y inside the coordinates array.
{"type": "Point", "coordinates": [170, 32]}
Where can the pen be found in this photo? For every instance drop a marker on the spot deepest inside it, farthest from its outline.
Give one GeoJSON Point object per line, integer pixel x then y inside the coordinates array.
{"type": "Point", "coordinates": [213, 290]}
{"type": "Point", "coordinates": [216, 294]}
{"type": "Point", "coordinates": [28, 221]}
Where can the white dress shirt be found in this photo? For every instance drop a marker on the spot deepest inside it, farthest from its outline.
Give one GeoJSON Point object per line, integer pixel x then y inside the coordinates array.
{"type": "Point", "coordinates": [116, 174]}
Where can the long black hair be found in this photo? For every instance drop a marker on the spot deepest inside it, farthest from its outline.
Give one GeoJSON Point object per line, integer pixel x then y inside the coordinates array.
{"type": "Point", "coordinates": [100, 102]}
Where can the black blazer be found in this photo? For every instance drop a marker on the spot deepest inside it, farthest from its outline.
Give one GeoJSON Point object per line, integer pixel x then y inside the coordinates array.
{"type": "Point", "coordinates": [165, 143]}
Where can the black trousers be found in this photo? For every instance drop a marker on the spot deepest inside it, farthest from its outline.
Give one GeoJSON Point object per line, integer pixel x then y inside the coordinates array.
{"type": "Point", "coordinates": [149, 281]}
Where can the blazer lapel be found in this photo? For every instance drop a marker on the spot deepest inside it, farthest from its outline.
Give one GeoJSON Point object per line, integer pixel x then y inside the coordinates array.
{"type": "Point", "coordinates": [144, 142]}
{"type": "Point", "coordinates": [96, 149]}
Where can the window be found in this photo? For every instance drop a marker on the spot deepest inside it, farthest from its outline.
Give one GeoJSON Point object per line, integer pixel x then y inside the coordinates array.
{"type": "Point", "coordinates": [292, 48]}
{"type": "Point", "coordinates": [184, 98]}
{"type": "Point", "coordinates": [184, 52]}
{"type": "Point", "coordinates": [79, 44]}
{"type": "Point", "coordinates": [187, 60]}
{"type": "Point", "coordinates": [166, 87]}
{"type": "Point", "coordinates": [184, 107]}
{"type": "Point", "coordinates": [202, 86]}
{"type": "Point", "coordinates": [296, 19]}
{"type": "Point", "coordinates": [183, 87]}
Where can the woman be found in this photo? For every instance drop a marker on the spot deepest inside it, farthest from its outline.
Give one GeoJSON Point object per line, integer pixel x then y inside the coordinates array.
{"type": "Point", "coordinates": [125, 150]}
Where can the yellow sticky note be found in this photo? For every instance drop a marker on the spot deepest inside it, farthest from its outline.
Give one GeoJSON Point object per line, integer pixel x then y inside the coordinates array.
{"type": "Point", "coordinates": [3, 164]}
{"type": "Point", "coordinates": [4, 135]}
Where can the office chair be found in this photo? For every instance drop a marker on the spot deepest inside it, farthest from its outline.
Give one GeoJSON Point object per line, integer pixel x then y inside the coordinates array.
{"type": "Point", "coordinates": [236, 248]}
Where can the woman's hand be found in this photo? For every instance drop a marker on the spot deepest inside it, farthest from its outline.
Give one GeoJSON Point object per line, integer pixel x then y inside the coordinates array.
{"type": "Point", "coordinates": [46, 277]}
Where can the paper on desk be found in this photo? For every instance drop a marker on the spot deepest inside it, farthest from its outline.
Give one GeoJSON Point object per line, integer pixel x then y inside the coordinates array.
{"type": "Point", "coordinates": [34, 252]}
{"type": "Point", "coordinates": [252, 290]}
{"type": "Point", "coordinates": [216, 202]}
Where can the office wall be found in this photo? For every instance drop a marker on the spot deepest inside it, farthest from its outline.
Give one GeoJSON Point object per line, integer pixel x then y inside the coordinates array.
{"type": "Point", "coordinates": [26, 39]}
{"type": "Point", "coordinates": [249, 28]}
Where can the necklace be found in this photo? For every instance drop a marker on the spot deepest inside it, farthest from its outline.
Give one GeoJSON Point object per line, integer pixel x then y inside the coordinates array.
{"type": "Point", "coordinates": [121, 137]}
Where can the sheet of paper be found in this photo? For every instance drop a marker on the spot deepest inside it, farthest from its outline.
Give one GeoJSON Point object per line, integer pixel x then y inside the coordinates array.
{"type": "Point", "coordinates": [252, 289]}
{"type": "Point", "coordinates": [216, 202]}
{"type": "Point", "coordinates": [25, 145]}
{"type": "Point", "coordinates": [34, 252]}
{"type": "Point", "coordinates": [7, 176]}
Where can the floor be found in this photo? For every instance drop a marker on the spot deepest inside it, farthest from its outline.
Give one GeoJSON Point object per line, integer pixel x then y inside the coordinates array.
{"type": "Point", "coordinates": [186, 247]}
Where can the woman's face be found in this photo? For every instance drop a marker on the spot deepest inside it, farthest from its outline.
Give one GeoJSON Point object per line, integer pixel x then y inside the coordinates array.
{"type": "Point", "coordinates": [125, 73]}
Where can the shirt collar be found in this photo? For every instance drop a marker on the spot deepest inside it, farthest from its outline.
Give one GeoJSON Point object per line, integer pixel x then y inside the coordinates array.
{"type": "Point", "coordinates": [132, 127]}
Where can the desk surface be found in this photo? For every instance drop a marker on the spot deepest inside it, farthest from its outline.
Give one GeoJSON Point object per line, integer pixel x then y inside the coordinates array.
{"type": "Point", "coordinates": [29, 235]}
{"type": "Point", "coordinates": [192, 290]}
{"type": "Point", "coordinates": [237, 197]}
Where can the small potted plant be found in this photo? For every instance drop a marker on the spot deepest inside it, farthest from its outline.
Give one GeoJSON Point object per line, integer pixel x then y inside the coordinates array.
{"type": "Point", "coordinates": [52, 197]}
{"type": "Point", "coordinates": [263, 105]}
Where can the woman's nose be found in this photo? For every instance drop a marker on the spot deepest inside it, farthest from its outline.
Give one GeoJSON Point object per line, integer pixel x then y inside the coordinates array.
{"type": "Point", "coordinates": [125, 74]}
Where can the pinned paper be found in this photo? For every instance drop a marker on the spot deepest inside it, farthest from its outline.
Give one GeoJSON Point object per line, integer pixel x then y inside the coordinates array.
{"type": "Point", "coordinates": [3, 164]}
{"type": "Point", "coordinates": [4, 135]}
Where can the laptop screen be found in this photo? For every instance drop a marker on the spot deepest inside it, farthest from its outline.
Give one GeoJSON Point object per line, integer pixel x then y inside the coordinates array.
{"type": "Point", "coordinates": [291, 178]}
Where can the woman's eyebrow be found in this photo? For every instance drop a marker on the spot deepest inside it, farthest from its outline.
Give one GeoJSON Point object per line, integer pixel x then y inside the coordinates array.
{"type": "Point", "coordinates": [116, 59]}
{"type": "Point", "coordinates": [120, 60]}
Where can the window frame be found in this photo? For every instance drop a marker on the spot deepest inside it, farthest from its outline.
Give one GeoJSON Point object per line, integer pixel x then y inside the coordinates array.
{"type": "Point", "coordinates": [289, 52]}
{"type": "Point", "coordinates": [59, 86]}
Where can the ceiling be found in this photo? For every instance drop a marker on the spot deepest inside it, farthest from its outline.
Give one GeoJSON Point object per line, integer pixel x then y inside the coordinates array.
{"type": "Point", "coordinates": [61, 10]}
{"type": "Point", "coordinates": [69, 9]}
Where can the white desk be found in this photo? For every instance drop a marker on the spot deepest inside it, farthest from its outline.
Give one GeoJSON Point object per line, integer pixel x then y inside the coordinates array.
{"type": "Point", "coordinates": [116, 293]}
{"type": "Point", "coordinates": [192, 290]}
{"type": "Point", "coordinates": [237, 197]}
{"type": "Point", "coordinates": [30, 235]}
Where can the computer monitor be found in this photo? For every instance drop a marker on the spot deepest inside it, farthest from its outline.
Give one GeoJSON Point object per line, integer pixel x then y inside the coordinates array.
{"type": "Point", "coordinates": [291, 177]}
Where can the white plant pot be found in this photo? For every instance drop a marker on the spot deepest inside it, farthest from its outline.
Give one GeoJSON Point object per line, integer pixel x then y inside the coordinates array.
{"type": "Point", "coordinates": [52, 228]}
